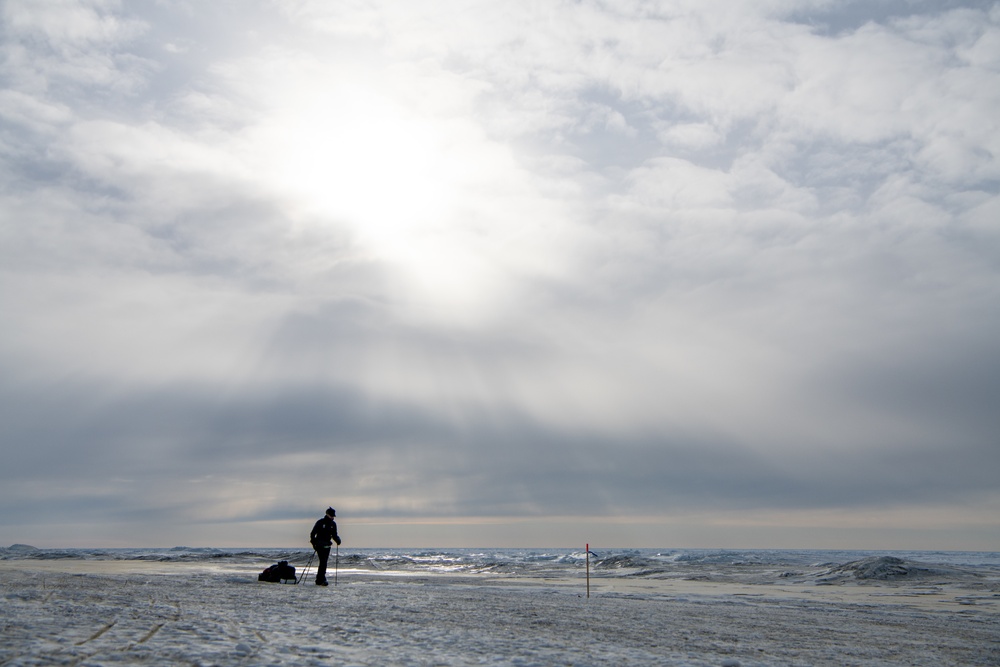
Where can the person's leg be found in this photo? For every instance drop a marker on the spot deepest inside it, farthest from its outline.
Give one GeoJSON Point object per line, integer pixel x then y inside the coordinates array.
{"type": "Point", "coordinates": [324, 556]}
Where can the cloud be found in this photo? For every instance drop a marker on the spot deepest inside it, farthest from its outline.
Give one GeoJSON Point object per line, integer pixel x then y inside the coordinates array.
{"type": "Point", "coordinates": [467, 260]}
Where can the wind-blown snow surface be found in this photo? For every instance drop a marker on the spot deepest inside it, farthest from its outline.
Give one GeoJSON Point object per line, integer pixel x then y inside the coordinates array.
{"type": "Point", "coordinates": [876, 611]}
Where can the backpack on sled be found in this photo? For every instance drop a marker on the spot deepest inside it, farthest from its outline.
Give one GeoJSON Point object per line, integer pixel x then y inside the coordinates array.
{"type": "Point", "coordinates": [278, 572]}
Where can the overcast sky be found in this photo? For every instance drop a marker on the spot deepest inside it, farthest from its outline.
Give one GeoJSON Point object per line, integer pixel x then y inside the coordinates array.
{"type": "Point", "coordinates": [690, 273]}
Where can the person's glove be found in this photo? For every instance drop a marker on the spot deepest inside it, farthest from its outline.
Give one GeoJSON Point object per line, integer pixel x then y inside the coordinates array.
{"type": "Point", "coordinates": [338, 541]}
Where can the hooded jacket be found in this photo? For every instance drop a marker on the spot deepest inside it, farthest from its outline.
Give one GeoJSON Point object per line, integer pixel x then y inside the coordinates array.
{"type": "Point", "coordinates": [324, 533]}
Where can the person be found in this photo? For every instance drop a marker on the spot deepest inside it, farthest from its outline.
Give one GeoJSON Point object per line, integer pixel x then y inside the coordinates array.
{"type": "Point", "coordinates": [323, 534]}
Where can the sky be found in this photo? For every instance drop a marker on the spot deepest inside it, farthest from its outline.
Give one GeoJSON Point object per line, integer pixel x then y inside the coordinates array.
{"type": "Point", "coordinates": [630, 273]}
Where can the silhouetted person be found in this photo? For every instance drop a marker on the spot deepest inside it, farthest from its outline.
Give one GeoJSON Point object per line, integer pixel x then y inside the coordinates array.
{"type": "Point", "coordinates": [323, 535]}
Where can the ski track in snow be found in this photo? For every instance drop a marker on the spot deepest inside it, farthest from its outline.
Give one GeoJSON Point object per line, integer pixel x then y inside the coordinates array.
{"type": "Point", "coordinates": [228, 618]}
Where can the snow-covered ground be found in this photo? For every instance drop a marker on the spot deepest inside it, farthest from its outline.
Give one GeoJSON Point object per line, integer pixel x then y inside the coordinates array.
{"type": "Point", "coordinates": [106, 613]}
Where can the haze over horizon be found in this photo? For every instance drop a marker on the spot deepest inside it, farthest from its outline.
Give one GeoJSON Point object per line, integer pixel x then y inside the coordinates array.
{"type": "Point", "coordinates": [478, 273]}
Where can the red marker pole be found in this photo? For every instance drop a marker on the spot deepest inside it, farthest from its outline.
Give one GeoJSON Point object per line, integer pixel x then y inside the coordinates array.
{"type": "Point", "coordinates": [588, 569]}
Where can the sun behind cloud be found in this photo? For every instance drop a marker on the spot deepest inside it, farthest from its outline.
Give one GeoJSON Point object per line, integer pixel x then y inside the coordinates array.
{"type": "Point", "coordinates": [403, 183]}
{"type": "Point", "coordinates": [363, 162]}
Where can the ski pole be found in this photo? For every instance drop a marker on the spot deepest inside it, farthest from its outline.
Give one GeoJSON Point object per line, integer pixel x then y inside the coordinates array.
{"type": "Point", "coordinates": [336, 566]}
{"type": "Point", "coordinates": [306, 568]}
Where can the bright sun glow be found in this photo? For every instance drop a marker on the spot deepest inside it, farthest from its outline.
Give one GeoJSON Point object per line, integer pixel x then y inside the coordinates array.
{"type": "Point", "coordinates": [367, 164]}
{"type": "Point", "coordinates": [395, 179]}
